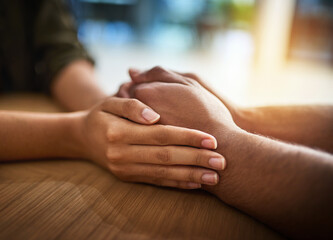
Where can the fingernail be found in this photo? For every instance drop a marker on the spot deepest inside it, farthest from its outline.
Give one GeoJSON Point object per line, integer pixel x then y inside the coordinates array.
{"type": "Point", "coordinates": [194, 185]}
{"type": "Point", "coordinates": [217, 162]}
{"type": "Point", "coordinates": [210, 178]}
{"type": "Point", "coordinates": [209, 143]}
{"type": "Point", "coordinates": [150, 115]}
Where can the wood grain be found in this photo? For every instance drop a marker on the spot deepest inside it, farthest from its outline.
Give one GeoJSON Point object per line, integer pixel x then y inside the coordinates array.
{"type": "Point", "coordinates": [73, 199]}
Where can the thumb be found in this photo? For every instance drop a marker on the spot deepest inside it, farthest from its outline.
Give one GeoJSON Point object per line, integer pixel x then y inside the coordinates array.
{"type": "Point", "coordinates": [130, 108]}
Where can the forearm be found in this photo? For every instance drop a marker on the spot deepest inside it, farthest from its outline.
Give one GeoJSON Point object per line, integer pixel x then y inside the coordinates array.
{"type": "Point", "coordinates": [38, 135]}
{"type": "Point", "coordinates": [311, 126]}
{"type": "Point", "coordinates": [287, 187]}
{"type": "Point", "coordinates": [76, 88]}
{"type": "Point", "coordinates": [307, 125]}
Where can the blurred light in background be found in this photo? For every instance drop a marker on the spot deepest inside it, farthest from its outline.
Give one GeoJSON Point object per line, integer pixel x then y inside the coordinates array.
{"type": "Point", "coordinates": [312, 31]}
{"type": "Point", "coordinates": [252, 51]}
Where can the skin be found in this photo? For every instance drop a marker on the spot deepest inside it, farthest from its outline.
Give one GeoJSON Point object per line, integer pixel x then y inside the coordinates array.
{"type": "Point", "coordinates": [286, 186]}
{"type": "Point", "coordinates": [75, 87]}
{"type": "Point", "coordinates": [286, 123]}
{"type": "Point", "coordinates": [105, 135]}
{"type": "Point", "coordinates": [113, 133]}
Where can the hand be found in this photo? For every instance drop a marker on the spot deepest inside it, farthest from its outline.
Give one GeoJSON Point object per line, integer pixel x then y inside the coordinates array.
{"type": "Point", "coordinates": [151, 154]}
{"type": "Point", "coordinates": [180, 100]}
{"type": "Point", "coordinates": [233, 109]}
{"type": "Point", "coordinates": [126, 91]}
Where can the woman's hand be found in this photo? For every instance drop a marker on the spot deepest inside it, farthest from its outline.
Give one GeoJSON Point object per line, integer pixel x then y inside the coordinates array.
{"type": "Point", "coordinates": [161, 155]}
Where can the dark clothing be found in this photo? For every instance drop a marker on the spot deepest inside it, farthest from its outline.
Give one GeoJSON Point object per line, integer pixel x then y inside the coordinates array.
{"type": "Point", "coordinates": [37, 39]}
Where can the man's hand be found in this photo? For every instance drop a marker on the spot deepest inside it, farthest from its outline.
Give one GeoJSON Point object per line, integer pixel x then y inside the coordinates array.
{"type": "Point", "coordinates": [157, 154]}
{"type": "Point", "coordinates": [180, 100]}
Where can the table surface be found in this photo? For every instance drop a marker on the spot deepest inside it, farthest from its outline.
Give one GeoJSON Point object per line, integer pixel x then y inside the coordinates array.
{"type": "Point", "coordinates": [74, 199]}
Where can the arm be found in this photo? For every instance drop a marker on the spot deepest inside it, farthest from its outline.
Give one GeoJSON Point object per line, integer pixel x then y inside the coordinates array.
{"type": "Point", "coordinates": [285, 186]}
{"type": "Point", "coordinates": [76, 87]}
{"type": "Point", "coordinates": [108, 135]}
{"type": "Point", "coordinates": [37, 135]}
{"type": "Point", "coordinates": [307, 125]}
{"type": "Point", "coordinates": [63, 66]}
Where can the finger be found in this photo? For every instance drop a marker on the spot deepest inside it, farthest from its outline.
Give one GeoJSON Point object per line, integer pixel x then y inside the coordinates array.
{"type": "Point", "coordinates": [175, 173]}
{"type": "Point", "coordinates": [167, 155]}
{"type": "Point", "coordinates": [138, 173]}
{"type": "Point", "coordinates": [189, 75]}
{"type": "Point", "coordinates": [205, 85]}
{"type": "Point", "coordinates": [164, 135]}
{"type": "Point", "coordinates": [131, 108]}
{"type": "Point", "coordinates": [124, 90]}
{"type": "Point", "coordinates": [156, 74]}
{"type": "Point", "coordinates": [197, 79]}
{"type": "Point", "coordinates": [170, 183]}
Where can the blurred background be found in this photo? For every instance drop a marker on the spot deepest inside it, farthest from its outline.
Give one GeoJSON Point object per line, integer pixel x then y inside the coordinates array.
{"type": "Point", "coordinates": [255, 52]}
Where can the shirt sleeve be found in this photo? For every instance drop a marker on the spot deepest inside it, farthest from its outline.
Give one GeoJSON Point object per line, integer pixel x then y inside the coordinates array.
{"type": "Point", "coordinates": [55, 41]}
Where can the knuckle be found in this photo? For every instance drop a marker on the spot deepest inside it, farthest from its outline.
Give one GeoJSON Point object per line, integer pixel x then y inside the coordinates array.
{"type": "Point", "coordinates": [191, 175]}
{"type": "Point", "coordinates": [157, 69]}
{"type": "Point", "coordinates": [198, 158]}
{"type": "Point", "coordinates": [130, 105]}
{"type": "Point", "coordinates": [191, 81]}
{"type": "Point", "coordinates": [163, 155]}
{"type": "Point", "coordinates": [162, 136]}
{"type": "Point", "coordinates": [161, 172]}
{"type": "Point", "coordinates": [110, 135]}
{"type": "Point", "coordinates": [195, 83]}
{"type": "Point", "coordinates": [113, 156]}
{"type": "Point", "coordinates": [113, 135]}
{"type": "Point", "coordinates": [193, 76]}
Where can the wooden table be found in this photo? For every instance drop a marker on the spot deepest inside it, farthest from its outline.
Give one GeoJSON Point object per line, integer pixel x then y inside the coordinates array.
{"type": "Point", "coordinates": [67, 199]}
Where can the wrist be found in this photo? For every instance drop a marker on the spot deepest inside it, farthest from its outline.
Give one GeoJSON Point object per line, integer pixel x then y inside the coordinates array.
{"type": "Point", "coordinates": [244, 118]}
{"type": "Point", "coordinates": [72, 132]}
{"type": "Point", "coordinates": [229, 139]}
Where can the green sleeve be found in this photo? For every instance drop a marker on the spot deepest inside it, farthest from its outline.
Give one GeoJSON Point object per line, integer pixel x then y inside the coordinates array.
{"type": "Point", "coordinates": [55, 41]}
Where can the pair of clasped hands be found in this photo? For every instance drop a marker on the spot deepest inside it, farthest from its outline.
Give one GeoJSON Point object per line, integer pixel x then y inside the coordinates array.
{"type": "Point", "coordinates": [154, 131]}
